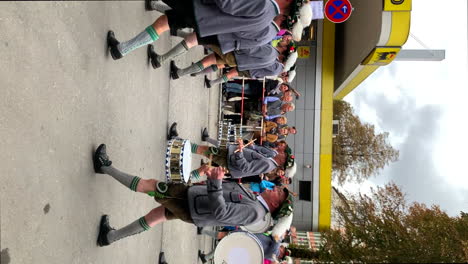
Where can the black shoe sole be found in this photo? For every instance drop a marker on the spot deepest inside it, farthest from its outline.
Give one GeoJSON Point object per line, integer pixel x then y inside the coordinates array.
{"type": "Point", "coordinates": [102, 240]}
{"type": "Point", "coordinates": [201, 256]}
{"type": "Point", "coordinates": [174, 70]}
{"type": "Point", "coordinates": [153, 57]}
{"type": "Point", "coordinates": [205, 136]}
{"type": "Point", "coordinates": [172, 131]}
{"type": "Point", "coordinates": [148, 5]}
{"type": "Point", "coordinates": [207, 82]}
{"type": "Point", "coordinates": [96, 162]}
{"type": "Point", "coordinates": [112, 42]}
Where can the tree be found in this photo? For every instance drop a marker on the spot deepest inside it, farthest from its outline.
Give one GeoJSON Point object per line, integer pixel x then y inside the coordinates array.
{"type": "Point", "coordinates": [382, 228]}
{"type": "Point", "coordinates": [358, 152]}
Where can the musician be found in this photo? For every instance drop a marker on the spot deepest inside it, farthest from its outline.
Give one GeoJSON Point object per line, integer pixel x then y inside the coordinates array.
{"type": "Point", "coordinates": [213, 204]}
{"type": "Point", "coordinates": [272, 113]}
{"type": "Point", "coordinates": [209, 20]}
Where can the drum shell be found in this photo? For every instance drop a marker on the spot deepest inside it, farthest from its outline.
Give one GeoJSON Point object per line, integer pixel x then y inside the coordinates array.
{"type": "Point", "coordinates": [178, 160]}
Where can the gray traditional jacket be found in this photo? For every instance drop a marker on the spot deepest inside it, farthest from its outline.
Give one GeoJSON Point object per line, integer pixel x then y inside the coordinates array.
{"type": "Point", "coordinates": [250, 161]}
{"type": "Point", "coordinates": [256, 58]}
{"type": "Point", "coordinates": [223, 204]}
{"type": "Point", "coordinates": [247, 39]}
{"type": "Point", "coordinates": [272, 70]}
{"type": "Point", "coordinates": [214, 17]}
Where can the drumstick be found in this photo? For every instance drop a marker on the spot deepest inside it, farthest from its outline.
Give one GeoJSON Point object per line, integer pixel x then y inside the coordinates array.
{"type": "Point", "coordinates": [209, 162]}
{"type": "Point", "coordinates": [249, 143]}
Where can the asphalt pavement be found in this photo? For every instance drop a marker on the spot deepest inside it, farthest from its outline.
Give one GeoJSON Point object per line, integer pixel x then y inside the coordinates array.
{"type": "Point", "coordinates": [61, 95]}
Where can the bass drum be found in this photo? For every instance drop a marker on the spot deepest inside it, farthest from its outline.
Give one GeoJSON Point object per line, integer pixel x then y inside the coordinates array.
{"type": "Point", "coordinates": [239, 248]}
{"type": "Point", "coordinates": [259, 226]}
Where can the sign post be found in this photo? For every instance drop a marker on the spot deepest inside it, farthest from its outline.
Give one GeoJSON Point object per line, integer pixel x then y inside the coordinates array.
{"type": "Point", "coordinates": [338, 11]}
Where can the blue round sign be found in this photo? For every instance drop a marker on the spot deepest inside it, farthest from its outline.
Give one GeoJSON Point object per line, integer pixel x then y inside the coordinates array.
{"type": "Point", "coordinates": [338, 11]}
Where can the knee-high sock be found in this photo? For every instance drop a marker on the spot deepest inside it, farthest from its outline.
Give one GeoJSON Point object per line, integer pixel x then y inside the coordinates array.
{"type": "Point", "coordinates": [221, 79]}
{"type": "Point", "coordinates": [126, 179]}
{"type": "Point", "coordinates": [134, 228]}
{"type": "Point", "coordinates": [159, 6]}
{"type": "Point", "coordinates": [195, 174]}
{"type": "Point", "coordinates": [209, 256]}
{"type": "Point", "coordinates": [146, 37]}
{"type": "Point", "coordinates": [179, 49]}
{"type": "Point", "coordinates": [196, 67]}
{"type": "Point", "coordinates": [212, 141]}
{"type": "Point", "coordinates": [207, 70]}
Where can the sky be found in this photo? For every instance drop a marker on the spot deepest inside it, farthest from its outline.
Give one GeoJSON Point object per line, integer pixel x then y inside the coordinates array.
{"type": "Point", "coordinates": [424, 107]}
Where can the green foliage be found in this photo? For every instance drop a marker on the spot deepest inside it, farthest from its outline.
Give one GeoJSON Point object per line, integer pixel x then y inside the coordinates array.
{"type": "Point", "coordinates": [302, 252]}
{"type": "Point", "coordinates": [382, 228]}
{"type": "Point", "coordinates": [358, 152]}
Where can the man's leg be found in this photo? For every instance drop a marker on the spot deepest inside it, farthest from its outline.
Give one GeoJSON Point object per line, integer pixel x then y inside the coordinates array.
{"type": "Point", "coordinates": [103, 165]}
{"type": "Point", "coordinates": [206, 137]}
{"type": "Point", "coordinates": [196, 174]}
{"type": "Point", "coordinates": [108, 235]}
{"type": "Point", "coordinates": [224, 78]}
{"type": "Point", "coordinates": [207, 70]}
{"type": "Point", "coordinates": [196, 67]}
{"type": "Point", "coordinates": [206, 257]}
{"type": "Point", "coordinates": [147, 36]}
{"type": "Point", "coordinates": [156, 5]}
{"type": "Point", "coordinates": [189, 42]}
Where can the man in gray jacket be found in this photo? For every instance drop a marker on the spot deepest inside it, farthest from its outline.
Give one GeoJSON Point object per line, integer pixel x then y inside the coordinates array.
{"type": "Point", "coordinates": [213, 204]}
{"type": "Point", "coordinates": [208, 18]}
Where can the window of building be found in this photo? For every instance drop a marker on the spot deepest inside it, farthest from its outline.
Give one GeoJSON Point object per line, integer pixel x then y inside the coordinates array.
{"type": "Point", "coordinates": [305, 191]}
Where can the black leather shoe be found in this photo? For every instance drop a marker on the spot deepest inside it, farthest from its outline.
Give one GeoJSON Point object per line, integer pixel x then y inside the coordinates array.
{"type": "Point", "coordinates": [162, 258]}
{"type": "Point", "coordinates": [173, 131]}
{"type": "Point", "coordinates": [148, 6]}
{"type": "Point", "coordinates": [174, 70]}
{"type": "Point", "coordinates": [153, 57]}
{"type": "Point", "coordinates": [195, 73]}
{"type": "Point", "coordinates": [207, 82]}
{"type": "Point", "coordinates": [104, 229]}
{"type": "Point", "coordinates": [201, 256]}
{"type": "Point", "coordinates": [100, 159]}
{"type": "Point", "coordinates": [205, 134]}
{"type": "Point", "coordinates": [112, 42]}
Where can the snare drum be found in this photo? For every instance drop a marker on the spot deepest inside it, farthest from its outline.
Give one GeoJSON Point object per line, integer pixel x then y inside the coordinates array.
{"type": "Point", "coordinates": [239, 247]}
{"type": "Point", "coordinates": [178, 160]}
{"type": "Point", "coordinates": [260, 226]}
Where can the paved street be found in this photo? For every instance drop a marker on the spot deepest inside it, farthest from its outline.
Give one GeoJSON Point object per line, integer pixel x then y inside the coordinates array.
{"type": "Point", "coordinates": [61, 95]}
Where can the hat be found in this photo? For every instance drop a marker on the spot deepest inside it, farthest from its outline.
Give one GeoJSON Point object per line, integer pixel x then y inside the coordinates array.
{"type": "Point", "coordinates": [290, 61]}
{"type": "Point", "coordinates": [286, 208]}
{"type": "Point", "coordinates": [291, 171]}
{"type": "Point", "coordinates": [290, 158]}
{"type": "Point", "coordinates": [291, 75]}
{"type": "Point", "coordinates": [282, 225]}
{"type": "Point", "coordinates": [299, 17]}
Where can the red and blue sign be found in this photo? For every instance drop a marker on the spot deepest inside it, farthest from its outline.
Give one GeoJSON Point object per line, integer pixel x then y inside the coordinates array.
{"type": "Point", "coordinates": [338, 11]}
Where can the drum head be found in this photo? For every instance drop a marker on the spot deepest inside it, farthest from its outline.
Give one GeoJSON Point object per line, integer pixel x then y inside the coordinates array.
{"type": "Point", "coordinates": [239, 247]}
{"type": "Point", "coordinates": [260, 226]}
{"type": "Point", "coordinates": [186, 160]}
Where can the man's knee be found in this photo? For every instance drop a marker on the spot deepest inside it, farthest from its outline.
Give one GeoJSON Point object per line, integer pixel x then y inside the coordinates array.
{"type": "Point", "coordinates": [146, 185]}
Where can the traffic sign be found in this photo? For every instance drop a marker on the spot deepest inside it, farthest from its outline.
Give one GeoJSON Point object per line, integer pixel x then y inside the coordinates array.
{"type": "Point", "coordinates": [338, 11]}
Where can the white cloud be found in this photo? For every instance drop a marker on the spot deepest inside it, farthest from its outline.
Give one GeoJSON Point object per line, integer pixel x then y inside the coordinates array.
{"type": "Point", "coordinates": [423, 106]}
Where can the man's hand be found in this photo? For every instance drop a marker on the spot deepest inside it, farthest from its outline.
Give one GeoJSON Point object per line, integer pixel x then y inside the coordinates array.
{"type": "Point", "coordinates": [215, 173]}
